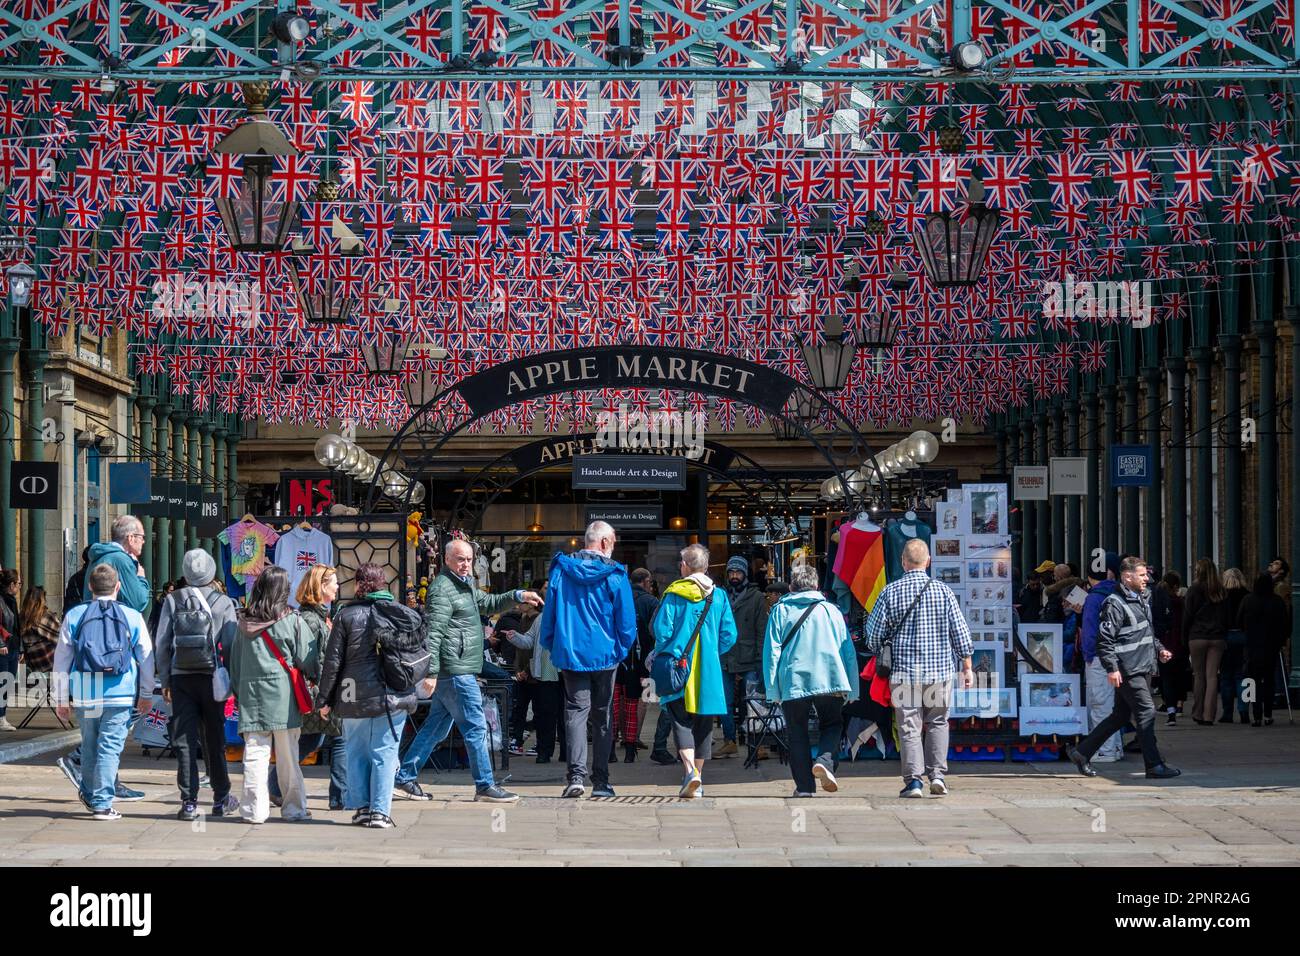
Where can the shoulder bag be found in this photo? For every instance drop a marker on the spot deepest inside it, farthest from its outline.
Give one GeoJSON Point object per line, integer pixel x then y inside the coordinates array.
{"type": "Point", "coordinates": [885, 659]}
{"type": "Point", "coordinates": [301, 693]}
{"type": "Point", "coordinates": [670, 674]}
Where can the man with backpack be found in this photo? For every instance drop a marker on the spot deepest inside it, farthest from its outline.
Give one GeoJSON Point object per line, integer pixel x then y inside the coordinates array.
{"type": "Point", "coordinates": [189, 655]}
{"type": "Point", "coordinates": [453, 621]}
{"type": "Point", "coordinates": [104, 665]}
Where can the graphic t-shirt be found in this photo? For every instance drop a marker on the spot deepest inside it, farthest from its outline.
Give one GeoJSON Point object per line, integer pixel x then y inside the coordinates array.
{"type": "Point", "coordinates": [248, 542]}
{"type": "Point", "coordinates": [298, 551]}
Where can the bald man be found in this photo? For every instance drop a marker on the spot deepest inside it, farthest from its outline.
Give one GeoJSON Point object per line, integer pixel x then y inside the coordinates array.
{"type": "Point", "coordinates": [920, 619]}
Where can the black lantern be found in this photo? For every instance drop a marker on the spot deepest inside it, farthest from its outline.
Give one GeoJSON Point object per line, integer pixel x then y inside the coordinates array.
{"type": "Point", "coordinates": [21, 278]}
{"type": "Point", "coordinates": [254, 221]}
{"type": "Point", "coordinates": [386, 357]}
{"type": "Point", "coordinates": [320, 295]}
{"type": "Point", "coordinates": [829, 364]}
{"type": "Point", "coordinates": [421, 387]}
{"type": "Point", "coordinates": [955, 246]}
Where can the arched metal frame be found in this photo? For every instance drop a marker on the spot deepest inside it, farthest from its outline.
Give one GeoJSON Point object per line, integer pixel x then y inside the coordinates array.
{"type": "Point", "coordinates": [489, 486]}
{"type": "Point", "coordinates": [435, 422]}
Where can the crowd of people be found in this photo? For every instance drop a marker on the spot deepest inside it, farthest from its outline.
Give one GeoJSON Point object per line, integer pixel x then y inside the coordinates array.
{"type": "Point", "coordinates": [342, 677]}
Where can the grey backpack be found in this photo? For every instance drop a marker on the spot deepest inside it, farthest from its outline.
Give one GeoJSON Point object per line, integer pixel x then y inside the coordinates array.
{"type": "Point", "coordinates": [194, 647]}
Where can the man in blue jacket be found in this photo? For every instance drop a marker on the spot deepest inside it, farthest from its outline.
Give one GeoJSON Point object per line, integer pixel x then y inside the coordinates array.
{"type": "Point", "coordinates": [588, 626]}
{"type": "Point", "coordinates": [1101, 695]}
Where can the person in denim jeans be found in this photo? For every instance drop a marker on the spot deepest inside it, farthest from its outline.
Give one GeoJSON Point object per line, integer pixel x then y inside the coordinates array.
{"type": "Point", "coordinates": [104, 703]}
{"type": "Point", "coordinates": [455, 699]}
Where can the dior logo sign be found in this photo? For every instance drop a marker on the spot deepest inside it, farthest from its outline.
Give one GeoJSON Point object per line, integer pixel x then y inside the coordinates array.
{"type": "Point", "coordinates": [34, 485]}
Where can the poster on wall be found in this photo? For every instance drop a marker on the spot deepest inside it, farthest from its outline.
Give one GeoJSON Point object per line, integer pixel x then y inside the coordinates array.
{"type": "Point", "coordinates": [985, 510]}
{"type": "Point", "coordinates": [1029, 483]}
{"type": "Point", "coordinates": [1069, 476]}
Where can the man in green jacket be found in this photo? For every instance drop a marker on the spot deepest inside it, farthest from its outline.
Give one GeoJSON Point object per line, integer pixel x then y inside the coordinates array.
{"type": "Point", "coordinates": [453, 611]}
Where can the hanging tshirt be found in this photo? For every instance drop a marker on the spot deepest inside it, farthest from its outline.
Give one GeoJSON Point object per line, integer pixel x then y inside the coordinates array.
{"type": "Point", "coordinates": [897, 535]}
{"type": "Point", "coordinates": [298, 551]}
{"type": "Point", "coordinates": [248, 542]}
{"type": "Point", "coordinates": [860, 563]}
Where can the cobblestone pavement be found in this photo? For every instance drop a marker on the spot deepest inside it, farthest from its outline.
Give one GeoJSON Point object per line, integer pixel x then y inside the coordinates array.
{"type": "Point", "coordinates": [1237, 803]}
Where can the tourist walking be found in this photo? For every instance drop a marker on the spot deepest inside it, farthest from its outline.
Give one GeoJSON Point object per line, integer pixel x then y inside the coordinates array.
{"type": "Point", "coordinates": [740, 665]}
{"type": "Point", "coordinates": [1167, 621]}
{"type": "Point", "coordinates": [693, 629]}
{"type": "Point", "coordinates": [547, 693]}
{"type": "Point", "coordinates": [1128, 650]}
{"type": "Point", "coordinates": [267, 644]}
{"type": "Point", "coordinates": [454, 624]}
{"type": "Point", "coordinates": [1232, 667]}
{"type": "Point", "coordinates": [810, 664]}
{"type": "Point", "coordinates": [918, 625]}
{"type": "Point", "coordinates": [1264, 619]}
{"type": "Point", "coordinates": [190, 626]}
{"type": "Point", "coordinates": [102, 667]}
{"type": "Point", "coordinates": [1098, 691]}
{"type": "Point", "coordinates": [588, 626]}
{"type": "Point", "coordinates": [1205, 630]}
{"type": "Point", "coordinates": [353, 688]}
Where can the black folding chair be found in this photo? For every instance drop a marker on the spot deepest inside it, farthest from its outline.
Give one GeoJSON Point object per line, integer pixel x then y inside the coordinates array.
{"type": "Point", "coordinates": [764, 725]}
{"type": "Point", "coordinates": [44, 699]}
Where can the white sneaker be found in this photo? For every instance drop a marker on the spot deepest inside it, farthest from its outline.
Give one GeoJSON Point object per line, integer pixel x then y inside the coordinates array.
{"type": "Point", "coordinates": [6, 726]}
{"type": "Point", "coordinates": [824, 774]}
{"type": "Point", "coordinates": [938, 788]}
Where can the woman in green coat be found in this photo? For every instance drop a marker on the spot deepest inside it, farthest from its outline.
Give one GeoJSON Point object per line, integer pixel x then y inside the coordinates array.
{"type": "Point", "coordinates": [267, 640]}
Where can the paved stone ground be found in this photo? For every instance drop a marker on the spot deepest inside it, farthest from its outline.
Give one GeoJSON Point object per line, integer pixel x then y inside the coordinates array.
{"type": "Point", "coordinates": [1237, 803]}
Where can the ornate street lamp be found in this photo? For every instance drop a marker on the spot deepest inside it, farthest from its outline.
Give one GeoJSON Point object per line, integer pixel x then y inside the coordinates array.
{"type": "Point", "coordinates": [422, 385]}
{"type": "Point", "coordinates": [21, 277]}
{"type": "Point", "coordinates": [954, 247]}
{"type": "Point", "coordinates": [829, 364]}
{"type": "Point", "coordinates": [253, 220]}
{"type": "Point", "coordinates": [385, 358]}
{"type": "Point", "coordinates": [320, 295]}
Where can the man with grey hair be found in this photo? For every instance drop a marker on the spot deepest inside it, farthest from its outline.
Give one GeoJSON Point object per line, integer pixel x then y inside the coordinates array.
{"type": "Point", "coordinates": [588, 627]}
{"type": "Point", "coordinates": [123, 554]}
{"type": "Point", "coordinates": [919, 619]}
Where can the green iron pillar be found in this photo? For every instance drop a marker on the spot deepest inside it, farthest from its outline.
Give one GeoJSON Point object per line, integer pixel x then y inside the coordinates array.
{"type": "Point", "coordinates": [1203, 443]}
{"type": "Point", "coordinates": [1000, 436]}
{"type": "Point", "coordinates": [1074, 503]}
{"type": "Point", "coordinates": [1029, 524]}
{"type": "Point", "coordinates": [1109, 500]}
{"type": "Point", "coordinates": [162, 539]}
{"type": "Point", "coordinates": [232, 476]}
{"type": "Point", "coordinates": [34, 410]}
{"type": "Point", "coordinates": [1060, 546]}
{"type": "Point", "coordinates": [1155, 536]}
{"type": "Point", "coordinates": [207, 473]}
{"type": "Point", "coordinates": [144, 415]}
{"type": "Point", "coordinates": [1230, 346]}
{"type": "Point", "coordinates": [1178, 466]}
{"type": "Point", "coordinates": [180, 473]}
{"type": "Point", "coordinates": [1132, 524]}
{"type": "Point", "coordinates": [1091, 450]}
{"type": "Point", "coordinates": [1042, 517]}
{"type": "Point", "coordinates": [194, 467]}
{"type": "Point", "coordinates": [1266, 437]}
{"type": "Point", "coordinates": [8, 435]}
{"type": "Point", "coordinates": [1293, 317]}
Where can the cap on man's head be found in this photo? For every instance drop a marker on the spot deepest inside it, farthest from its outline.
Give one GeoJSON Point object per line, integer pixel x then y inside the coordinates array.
{"type": "Point", "coordinates": [1112, 562]}
{"type": "Point", "coordinates": [1045, 567]}
{"type": "Point", "coordinates": [737, 563]}
{"type": "Point", "coordinates": [198, 568]}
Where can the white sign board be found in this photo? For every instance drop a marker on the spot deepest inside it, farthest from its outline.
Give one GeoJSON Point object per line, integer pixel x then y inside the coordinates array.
{"type": "Point", "coordinates": [1029, 482]}
{"type": "Point", "coordinates": [1069, 476]}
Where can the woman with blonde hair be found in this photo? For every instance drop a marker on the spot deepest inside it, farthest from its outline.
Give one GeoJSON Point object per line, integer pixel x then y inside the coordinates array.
{"type": "Point", "coordinates": [1205, 632]}
{"type": "Point", "coordinates": [316, 593]}
{"type": "Point", "coordinates": [1232, 668]}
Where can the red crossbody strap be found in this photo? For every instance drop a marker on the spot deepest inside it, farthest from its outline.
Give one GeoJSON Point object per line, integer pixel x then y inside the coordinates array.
{"type": "Point", "coordinates": [276, 651]}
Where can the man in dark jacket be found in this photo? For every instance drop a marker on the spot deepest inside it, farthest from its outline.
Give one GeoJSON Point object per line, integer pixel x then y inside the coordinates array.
{"type": "Point", "coordinates": [352, 686]}
{"type": "Point", "coordinates": [1128, 650]}
{"type": "Point", "coordinates": [454, 612]}
{"type": "Point", "coordinates": [588, 626]}
{"type": "Point", "coordinates": [740, 664]}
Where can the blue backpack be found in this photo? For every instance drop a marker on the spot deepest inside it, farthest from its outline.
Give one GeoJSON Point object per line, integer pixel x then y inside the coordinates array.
{"type": "Point", "coordinates": [102, 639]}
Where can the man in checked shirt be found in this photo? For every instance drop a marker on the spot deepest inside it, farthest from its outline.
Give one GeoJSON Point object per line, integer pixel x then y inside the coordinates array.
{"type": "Point", "coordinates": [921, 620]}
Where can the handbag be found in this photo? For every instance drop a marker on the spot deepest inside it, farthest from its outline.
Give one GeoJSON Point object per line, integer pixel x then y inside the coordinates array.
{"type": "Point", "coordinates": [670, 674]}
{"type": "Point", "coordinates": [301, 692]}
{"type": "Point", "coordinates": [885, 659]}
{"type": "Point", "coordinates": [221, 684]}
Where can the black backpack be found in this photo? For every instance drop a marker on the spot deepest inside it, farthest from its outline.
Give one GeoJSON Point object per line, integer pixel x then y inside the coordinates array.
{"type": "Point", "coordinates": [194, 647]}
{"type": "Point", "coordinates": [401, 648]}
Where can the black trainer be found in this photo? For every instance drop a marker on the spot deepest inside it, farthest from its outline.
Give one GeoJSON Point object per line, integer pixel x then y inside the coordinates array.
{"type": "Point", "coordinates": [188, 811]}
{"type": "Point", "coordinates": [604, 790]}
{"type": "Point", "coordinates": [495, 794]}
{"type": "Point", "coordinates": [380, 821]}
{"type": "Point", "coordinates": [410, 791]}
{"type": "Point", "coordinates": [361, 818]}
{"type": "Point", "coordinates": [663, 757]}
{"type": "Point", "coordinates": [574, 790]}
{"type": "Point", "coordinates": [1163, 771]}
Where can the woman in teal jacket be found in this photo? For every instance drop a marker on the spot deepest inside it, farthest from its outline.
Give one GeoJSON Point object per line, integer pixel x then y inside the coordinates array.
{"type": "Point", "coordinates": [702, 699]}
{"type": "Point", "coordinates": [809, 663]}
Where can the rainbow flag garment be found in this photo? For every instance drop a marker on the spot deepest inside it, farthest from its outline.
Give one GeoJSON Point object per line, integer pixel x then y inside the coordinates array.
{"type": "Point", "coordinates": [860, 563]}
